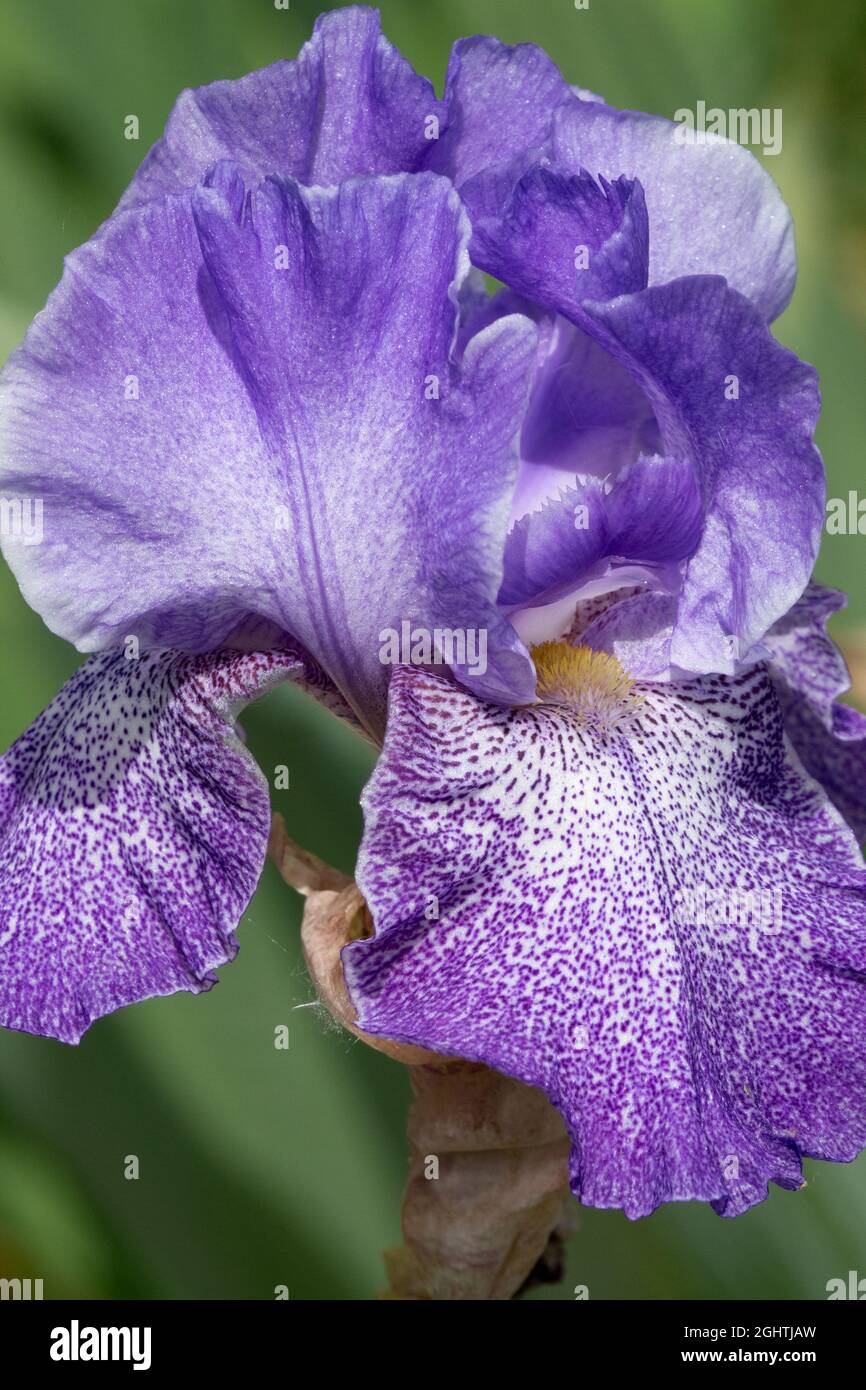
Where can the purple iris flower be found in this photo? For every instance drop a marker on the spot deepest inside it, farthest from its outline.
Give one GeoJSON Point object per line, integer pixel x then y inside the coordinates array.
{"type": "Point", "coordinates": [272, 418]}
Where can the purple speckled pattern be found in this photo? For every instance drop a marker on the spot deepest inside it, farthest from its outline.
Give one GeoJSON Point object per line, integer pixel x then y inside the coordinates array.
{"type": "Point", "coordinates": [530, 885]}
{"type": "Point", "coordinates": [133, 829]}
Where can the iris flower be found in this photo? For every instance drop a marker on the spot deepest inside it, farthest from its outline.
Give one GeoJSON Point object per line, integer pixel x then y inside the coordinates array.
{"type": "Point", "coordinates": [279, 430]}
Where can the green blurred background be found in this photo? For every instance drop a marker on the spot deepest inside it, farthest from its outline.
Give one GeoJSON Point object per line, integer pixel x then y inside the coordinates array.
{"type": "Point", "coordinates": [261, 1167]}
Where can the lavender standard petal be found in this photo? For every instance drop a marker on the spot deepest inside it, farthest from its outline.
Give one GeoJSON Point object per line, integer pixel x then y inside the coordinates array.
{"type": "Point", "coordinates": [349, 104]}
{"type": "Point", "coordinates": [298, 444]}
{"type": "Point", "coordinates": [371, 407]}
{"type": "Point", "coordinates": [500, 102]}
{"type": "Point", "coordinates": [743, 409]}
{"type": "Point", "coordinates": [706, 376]}
{"type": "Point", "coordinates": [587, 415]}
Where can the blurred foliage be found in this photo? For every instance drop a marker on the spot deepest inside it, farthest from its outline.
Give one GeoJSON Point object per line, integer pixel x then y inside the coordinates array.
{"type": "Point", "coordinates": [261, 1167]}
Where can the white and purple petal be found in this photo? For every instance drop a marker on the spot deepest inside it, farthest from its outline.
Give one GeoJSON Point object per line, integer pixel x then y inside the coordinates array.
{"type": "Point", "coordinates": [807, 659]}
{"type": "Point", "coordinates": [133, 829]}
{"type": "Point", "coordinates": [636, 629]}
{"type": "Point", "coordinates": [590, 915]}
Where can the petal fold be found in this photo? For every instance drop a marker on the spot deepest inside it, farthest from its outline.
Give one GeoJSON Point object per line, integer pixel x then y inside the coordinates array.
{"type": "Point", "coordinates": [712, 209]}
{"type": "Point", "coordinates": [562, 239]}
{"type": "Point", "coordinates": [811, 677]}
{"type": "Point", "coordinates": [725, 398]}
{"type": "Point", "coordinates": [743, 410]}
{"type": "Point", "coordinates": [651, 514]}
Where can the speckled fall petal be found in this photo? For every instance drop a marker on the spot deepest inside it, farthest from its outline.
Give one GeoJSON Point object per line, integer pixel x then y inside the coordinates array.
{"type": "Point", "coordinates": [573, 911]}
{"type": "Point", "coordinates": [133, 829]}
